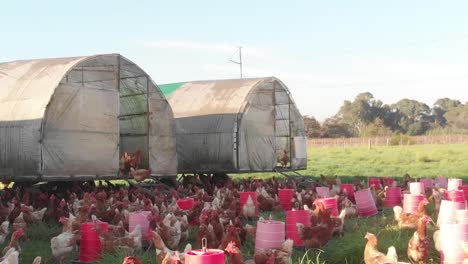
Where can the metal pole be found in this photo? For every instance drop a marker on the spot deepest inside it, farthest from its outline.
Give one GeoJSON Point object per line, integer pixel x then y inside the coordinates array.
{"type": "Point", "coordinates": [240, 61]}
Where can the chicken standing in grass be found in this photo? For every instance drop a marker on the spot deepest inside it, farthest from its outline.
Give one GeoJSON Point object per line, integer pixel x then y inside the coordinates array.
{"type": "Point", "coordinates": [11, 256]}
{"type": "Point", "coordinates": [248, 210]}
{"type": "Point", "coordinates": [410, 220]}
{"type": "Point", "coordinates": [418, 246]}
{"type": "Point", "coordinates": [373, 256]}
{"type": "Point", "coordinates": [63, 245]}
{"type": "Point", "coordinates": [14, 241]}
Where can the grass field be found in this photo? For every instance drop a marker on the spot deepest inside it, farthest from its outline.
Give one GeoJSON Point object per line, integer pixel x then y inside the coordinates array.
{"type": "Point", "coordinates": [448, 160]}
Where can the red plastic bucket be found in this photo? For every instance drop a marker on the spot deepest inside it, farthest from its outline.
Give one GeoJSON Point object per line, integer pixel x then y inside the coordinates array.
{"type": "Point", "coordinates": [323, 192]}
{"type": "Point", "coordinates": [388, 181]}
{"type": "Point", "coordinates": [244, 196]}
{"type": "Point", "coordinates": [90, 245]}
{"type": "Point", "coordinates": [427, 182]}
{"type": "Point", "coordinates": [453, 184]}
{"type": "Point", "coordinates": [270, 234]}
{"type": "Point", "coordinates": [411, 202]}
{"type": "Point", "coordinates": [185, 204]}
{"type": "Point", "coordinates": [392, 196]}
{"type": "Point", "coordinates": [332, 204]}
{"type": "Point", "coordinates": [293, 217]}
{"type": "Point", "coordinates": [416, 188]}
{"type": "Point", "coordinates": [375, 182]}
{"type": "Point", "coordinates": [464, 188]}
{"type": "Point", "coordinates": [365, 203]}
{"type": "Point", "coordinates": [349, 190]}
{"type": "Point", "coordinates": [455, 196]}
{"type": "Point", "coordinates": [285, 196]}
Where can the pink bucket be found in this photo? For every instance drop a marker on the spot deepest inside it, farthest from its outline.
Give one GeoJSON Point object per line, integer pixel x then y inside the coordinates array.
{"type": "Point", "coordinates": [451, 237]}
{"type": "Point", "coordinates": [447, 212]}
{"type": "Point", "coordinates": [90, 244]}
{"type": "Point", "coordinates": [285, 196]}
{"type": "Point", "coordinates": [349, 190]}
{"type": "Point", "coordinates": [375, 182]}
{"type": "Point", "coordinates": [464, 188]}
{"type": "Point", "coordinates": [139, 218]}
{"type": "Point", "coordinates": [270, 234]}
{"type": "Point", "coordinates": [441, 182]}
{"type": "Point", "coordinates": [332, 204]}
{"type": "Point", "coordinates": [411, 202]}
{"type": "Point", "coordinates": [244, 196]}
{"type": "Point", "coordinates": [207, 256]}
{"type": "Point", "coordinates": [365, 203]}
{"type": "Point", "coordinates": [392, 196]}
{"type": "Point", "coordinates": [388, 181]}
{"type": "Point", "coordinates": [455, 196]}
{"type": "Point", "coordinates": [323, 192]}
{"type": "Point", "coordinates": [293, 217]}
{"type": "Point", "coordinates": [453, 184]}
{"type": "Point", "coordinates": [416, 188]}
{"type": "Point", "coordinates": [427, 182]}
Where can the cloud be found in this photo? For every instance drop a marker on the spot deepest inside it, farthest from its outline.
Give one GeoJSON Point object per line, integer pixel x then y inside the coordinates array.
{"type": "Point", "coordinates": [207, 47]}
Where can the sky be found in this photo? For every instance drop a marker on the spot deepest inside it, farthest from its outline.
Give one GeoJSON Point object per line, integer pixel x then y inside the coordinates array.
{"type": "Point", "coordinates": [324, 51]}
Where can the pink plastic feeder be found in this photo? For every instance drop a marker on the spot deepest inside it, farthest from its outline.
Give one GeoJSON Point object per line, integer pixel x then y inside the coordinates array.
{"type": "Point", "coordinates": [90, 245]}
{"type": "Point", "coordinates": [375, 182]}
{"type": "Point", "coordinates": [205, 255]}
{"type": "Point", "coordinates": [416, 188]}
{"type": "Point", "coordinates": [270, 234]}
{"type": "Point", "coordinates": [349, 189]}
{"type": "Point", "coordinates": [293, 217]}
{"type": "Point", "coordinates": [332, 204]}
{"type": "Point", "coordinates": [441, 182]}
{"type": "Point", "coordinates": [427, 182]}
{"type": "Point", "coordinates": [285, 196]}
{"type": "Point", "coordinates": [365, 203]}
{"type": "Point", "coordinates": [323, 192]}
{"type": "Point", "coordinates": [453, 184]}
{"type": "Point", "coordinates": [388, 181]}
{"type": "Point", "coordinates": [244, 196]}
{"type": "Point", "coordinates": [455, 196]}
{"type": "Point", "coordinates": [139, 218]}
{"type": "Point", "coordinates": [411, 202]}
{"type": "Point", "coordinates": [392, 196]}
{"type": "Point", "coordinates": [185, 204]}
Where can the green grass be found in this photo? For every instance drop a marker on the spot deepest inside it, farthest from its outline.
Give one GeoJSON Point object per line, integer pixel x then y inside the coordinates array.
{"type": "Point", "coordinates": [449, 160]}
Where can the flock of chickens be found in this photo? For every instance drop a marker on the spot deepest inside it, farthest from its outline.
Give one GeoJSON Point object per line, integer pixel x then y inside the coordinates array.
{"type": "Point", "coordinates": [216, 212]}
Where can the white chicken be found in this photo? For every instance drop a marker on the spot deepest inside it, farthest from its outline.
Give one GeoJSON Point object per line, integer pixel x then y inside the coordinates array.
{"type": "Point", "coordinates": [63, 245]}
{"type": "Point", "coordinates": [38, 215]}
{"type": "Point", "coordinates": [11, 257]}
{"type": "Point", "coordinates": [4, 231]}
{"type": "Point", "coordinates": [248, 210]}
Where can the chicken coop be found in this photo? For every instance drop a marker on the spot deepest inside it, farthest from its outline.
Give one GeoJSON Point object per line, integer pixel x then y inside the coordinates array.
{"type": "Point", "coordinates": [72, 118]}
{"type": "Point", "coordinates": [241, 125]}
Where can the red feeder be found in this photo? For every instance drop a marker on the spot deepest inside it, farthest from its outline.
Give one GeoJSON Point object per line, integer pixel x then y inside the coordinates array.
{"type": "Point", "coordinates": [365, 203]}
{"type": "Point", "coordinates": [411, 202]}
{"type": "Point", "coordinates": [388, 181]}
{"type": "Point", "coordinates": [349, 190]}
{"type": "Point", "coordinates": [464, 188]}
{"type": "Point", "coordinates": [331, 203]}
{"type": "Point", "coordinates": [90, 245]}
{"type": "Point", "coordinates": [285, 196]}
{"type": "Point", "coordinates": [270, 234]}
{"type": "Point", "coordinates": [185, 204]}
{"type": "Point", "coordinates": [392, 196]}
{"type": "Point", "coordinates": [375, 182]}
{"type": "Point", "coordinates": [293, 217]}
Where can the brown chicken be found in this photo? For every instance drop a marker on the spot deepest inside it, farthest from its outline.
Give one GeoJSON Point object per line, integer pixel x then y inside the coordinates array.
{"type": "Point", "coordinates": [140, 174]}
{"type": "Point", "coordinates": [316, 236]}
{"type": "Point", "coordinates": [283, 159]}
{"type": "Point", "coordinates": [131, 260]}
{"type": "Point", "coordinates": [410, 220]}
{"type": "Point", "coordinates": [231, 236]}
{"type": "Point", "coordinates": [373, 256]}
{"type": "Point", "coordinates": [234, 253]}
{"type": "Point", "coordinates": [418, 246]}
{"type": "Point", "coordinates": [164, 253]}
{"type": "Point", "coordinates": [280, 255]}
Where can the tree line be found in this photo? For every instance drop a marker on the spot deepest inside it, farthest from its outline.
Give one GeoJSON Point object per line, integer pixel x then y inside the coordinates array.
{"type": "Point", "coordinates": [367, 116]}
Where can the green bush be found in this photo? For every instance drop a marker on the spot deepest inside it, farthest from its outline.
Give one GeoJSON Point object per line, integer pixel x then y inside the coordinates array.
{"type": "Point", "coordinates": [401, 139]}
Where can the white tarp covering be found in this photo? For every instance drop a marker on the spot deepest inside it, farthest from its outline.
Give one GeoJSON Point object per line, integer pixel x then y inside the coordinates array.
{"type": "Point", "coordinates": [235, 125]}
{"type": "Point", "coordinates": [63, 117]}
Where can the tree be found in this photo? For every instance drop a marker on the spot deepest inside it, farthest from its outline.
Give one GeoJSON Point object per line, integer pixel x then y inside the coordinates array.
{"type": "Point", "coordinates": [457, 117]}
{"type": "Point", "coordinates": [312, 127]}
{"type": "Point", "coordinates": [377, 129]}
{"type": "Point", "coordinates": [415, 117]}
{"type": "Point", "coordinates": [335, 128]}
{"type": "Point", "coordinates": [441, 106]}
{"type": "Point", "coordinates": [359, 113]}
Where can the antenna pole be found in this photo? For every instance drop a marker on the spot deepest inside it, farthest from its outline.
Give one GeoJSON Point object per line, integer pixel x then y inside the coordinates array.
{"type": "Point", "coordinates": [240, 61]}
